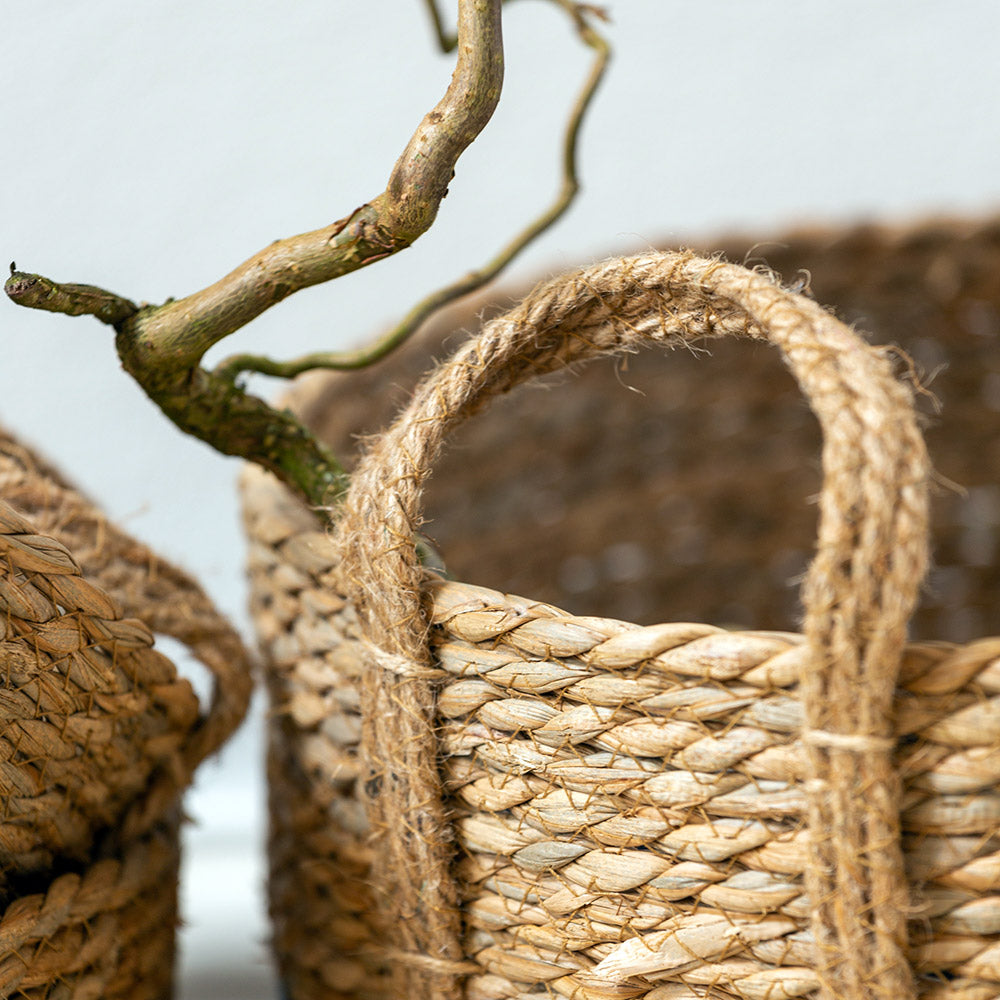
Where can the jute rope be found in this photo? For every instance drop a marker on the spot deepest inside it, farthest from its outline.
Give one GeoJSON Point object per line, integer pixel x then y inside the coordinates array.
{"type": "Point", "coordinates": [858, 595]}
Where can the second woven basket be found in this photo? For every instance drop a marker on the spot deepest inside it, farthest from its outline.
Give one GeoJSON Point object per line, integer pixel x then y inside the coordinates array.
{"type": "Point", "coordinates": [483, 795]}
{"type": "Point", "coordinates": [99, 736]}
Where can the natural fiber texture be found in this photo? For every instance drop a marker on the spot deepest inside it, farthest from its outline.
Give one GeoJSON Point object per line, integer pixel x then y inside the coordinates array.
{"type": "Point", "coordinates": [107, 932]}
{"type": "Point", "coordinates": [98, 737]}
{"type": "Point", "coordinates": [612, 784]}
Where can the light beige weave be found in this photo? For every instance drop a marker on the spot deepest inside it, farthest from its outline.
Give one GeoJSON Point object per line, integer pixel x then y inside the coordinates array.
{"type": "Point", "coordinates": [659, 811]}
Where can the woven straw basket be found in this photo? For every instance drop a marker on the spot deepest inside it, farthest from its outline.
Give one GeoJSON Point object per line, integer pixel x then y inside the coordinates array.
{"type": "Point", "coordinates": [98, 738]}
{"type": "Point", "coordinates": [483, 795]}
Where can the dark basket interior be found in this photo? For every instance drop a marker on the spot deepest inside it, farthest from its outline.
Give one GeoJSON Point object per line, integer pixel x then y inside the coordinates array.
{"type": "Point", "coordinates": [680, 486]}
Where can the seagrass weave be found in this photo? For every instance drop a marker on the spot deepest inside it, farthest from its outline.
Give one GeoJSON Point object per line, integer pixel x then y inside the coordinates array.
{"type": "Point", "coordinates": [98, 738]}
{"type": "Point", "coordinates": [479, 794]}
{"type": "Point", "coordinates": [106, 930]}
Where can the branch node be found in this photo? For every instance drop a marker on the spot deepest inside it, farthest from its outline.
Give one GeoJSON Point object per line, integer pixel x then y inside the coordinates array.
{"type": "Point", "coordinates": [351, 360]}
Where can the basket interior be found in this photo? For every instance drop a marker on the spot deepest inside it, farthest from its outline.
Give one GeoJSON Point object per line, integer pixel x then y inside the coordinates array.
{"type": "Point", "coordinates": [680, 486]}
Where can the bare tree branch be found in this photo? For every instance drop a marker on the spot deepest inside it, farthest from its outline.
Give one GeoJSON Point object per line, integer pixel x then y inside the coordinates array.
{"type": "Point", "coordinates": [213, 410]}
{"type": "Point", "coordinates": [161, 346]}
{"type": "Point", "coordinates": [36, 292]}
{"type": "Point", "coordinates": [445, 41]}
{"type": "Point", "coordinates": [179, 332]}
{"type": "Point", "coordinates": [348, 360]}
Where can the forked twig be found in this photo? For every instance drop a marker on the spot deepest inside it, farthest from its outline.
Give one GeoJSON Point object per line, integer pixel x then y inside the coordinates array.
{"type": "Point", "coordinates": [162, 346]}
{"type": "Point", "coordinates": [423, 310]}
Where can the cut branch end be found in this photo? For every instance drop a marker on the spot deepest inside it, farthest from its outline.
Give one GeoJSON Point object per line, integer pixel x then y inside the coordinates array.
{"type": "Point", "coordinates": [33, 291]}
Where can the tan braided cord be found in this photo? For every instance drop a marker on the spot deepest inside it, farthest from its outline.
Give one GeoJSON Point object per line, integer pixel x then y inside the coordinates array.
{"type": "Point", "coordinates": [628, 803]}
{"type": "Point", "coordinates": [98, 738]}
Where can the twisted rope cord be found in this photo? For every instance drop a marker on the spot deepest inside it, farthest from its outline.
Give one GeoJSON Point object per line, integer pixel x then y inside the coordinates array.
{"type": "Point", "coordinates": [858, 595]}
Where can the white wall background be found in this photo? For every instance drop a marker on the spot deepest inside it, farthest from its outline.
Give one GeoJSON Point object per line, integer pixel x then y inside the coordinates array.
{"type": "Point", "coordinates": [150, 147]}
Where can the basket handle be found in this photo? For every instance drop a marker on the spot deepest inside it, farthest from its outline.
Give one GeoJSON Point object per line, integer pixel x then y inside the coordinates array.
{"type": "Point", "coordinates": [169, 601]}
{"type": "Point", "coordinates": [858, 595]}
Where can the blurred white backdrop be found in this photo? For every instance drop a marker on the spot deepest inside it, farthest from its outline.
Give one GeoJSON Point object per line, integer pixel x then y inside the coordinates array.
{"type": "Point", "coordinates": [149, 148]}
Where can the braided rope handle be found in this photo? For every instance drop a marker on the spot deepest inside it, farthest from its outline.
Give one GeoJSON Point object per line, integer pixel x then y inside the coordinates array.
{"type": "Point", "coordinates": [163, 597]}
{"type": "Point", "coordinates": [859, 593]}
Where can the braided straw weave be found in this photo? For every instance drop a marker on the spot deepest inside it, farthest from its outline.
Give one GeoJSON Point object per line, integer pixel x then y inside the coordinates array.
{"type": "Point", "coordinates": [484, 793]}
{"type": "Point", "coordinates": [98, 737]}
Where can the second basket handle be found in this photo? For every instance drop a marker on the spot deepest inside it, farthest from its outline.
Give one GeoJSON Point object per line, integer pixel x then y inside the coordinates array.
{"type": "Point", "coordinates": [166, 599]}
{"type": "Point", "coordinates": [858, 595]}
